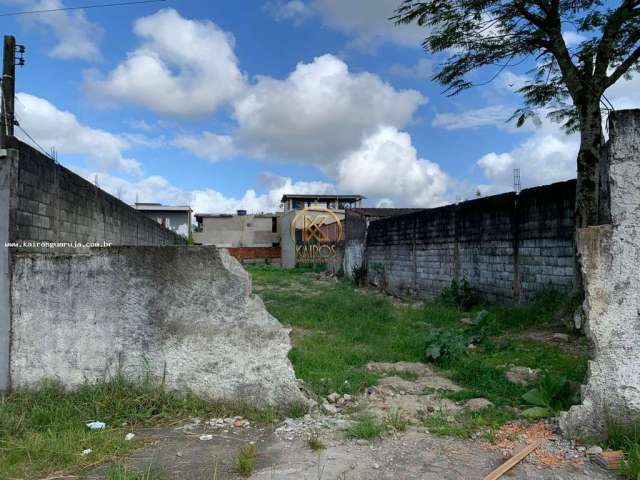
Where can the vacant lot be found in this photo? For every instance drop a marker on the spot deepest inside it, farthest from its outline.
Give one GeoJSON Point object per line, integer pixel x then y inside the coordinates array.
{"type": "Point", "coordinates": [338, 329]}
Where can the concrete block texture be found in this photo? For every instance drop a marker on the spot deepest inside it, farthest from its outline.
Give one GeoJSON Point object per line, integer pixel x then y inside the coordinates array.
{"type": "Point", "coordinates": [185, 313]}
{"type": "Point", "coordinates": [610, 258]}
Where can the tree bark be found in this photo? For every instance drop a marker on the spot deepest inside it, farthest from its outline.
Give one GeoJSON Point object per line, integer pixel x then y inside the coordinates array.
{"type": "Point", "coordinates": [589, 157]}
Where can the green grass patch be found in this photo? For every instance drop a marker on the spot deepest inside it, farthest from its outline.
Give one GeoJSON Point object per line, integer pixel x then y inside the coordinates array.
{"type": "Point", "coordinates": [247, 459]}
{"type": "Point", "coordinates": [45, 431]}
{"type": "Point", "coordinates": [366, 427]}
{"type": "Point", "coordinates": [346, 327]}
{"type": "Point", "coordinates": [466, 423]}
{"type": "Point", "coordinates": [124, 472]}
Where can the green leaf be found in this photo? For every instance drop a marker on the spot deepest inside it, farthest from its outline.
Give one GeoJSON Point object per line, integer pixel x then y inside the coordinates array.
{"type": "Point", "coordinates": [433, 351]}
{"type": "Point", "coordinates": [535, 413]}
{"type": "Point", "coordinates": [536, 397]}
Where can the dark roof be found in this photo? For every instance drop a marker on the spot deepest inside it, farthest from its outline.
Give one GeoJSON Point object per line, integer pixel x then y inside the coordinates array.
{"type": "Point", "coordinates": [383, 212]}
{"type": "Point", "coordinates": [321, 197]}
{"type": "Point", "coordinates": [230, 215]}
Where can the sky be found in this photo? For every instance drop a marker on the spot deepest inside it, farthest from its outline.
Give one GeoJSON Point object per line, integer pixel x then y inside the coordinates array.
{"type": "Point", "coordinates": [230, 105]}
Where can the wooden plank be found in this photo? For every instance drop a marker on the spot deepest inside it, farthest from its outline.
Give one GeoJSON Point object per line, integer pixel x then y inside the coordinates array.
{"type": "Point", "coordinates": [513, 461]}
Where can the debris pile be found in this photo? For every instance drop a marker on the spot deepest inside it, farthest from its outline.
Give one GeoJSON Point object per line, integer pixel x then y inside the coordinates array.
{"type": "Point", "coordinates": [292, 428]}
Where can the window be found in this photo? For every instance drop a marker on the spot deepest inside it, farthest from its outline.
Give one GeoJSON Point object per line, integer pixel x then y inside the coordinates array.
{"type": "Point", "coordinates": [274, 224]}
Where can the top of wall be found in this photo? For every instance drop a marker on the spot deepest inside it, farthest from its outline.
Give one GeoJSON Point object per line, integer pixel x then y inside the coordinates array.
{"type": "Point", "coordinates": [50, 203]}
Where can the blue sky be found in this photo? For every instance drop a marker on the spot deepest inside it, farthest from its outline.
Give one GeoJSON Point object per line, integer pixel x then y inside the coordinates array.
{"type": "Point", "coordinates": [226, 105]}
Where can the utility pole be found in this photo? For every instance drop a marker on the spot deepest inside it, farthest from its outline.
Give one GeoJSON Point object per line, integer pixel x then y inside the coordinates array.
{"type": "Point", "coordinates": [8, 90]}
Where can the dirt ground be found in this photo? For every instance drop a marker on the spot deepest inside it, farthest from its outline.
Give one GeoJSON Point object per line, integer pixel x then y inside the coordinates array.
{"type": "Point", "coordinates": [208, 449]}
{"type": "Point", "coordinates": [282, 455]}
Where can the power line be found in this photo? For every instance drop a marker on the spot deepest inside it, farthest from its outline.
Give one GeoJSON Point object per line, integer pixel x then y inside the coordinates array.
{"type": "Point", "coordinates": [63, 9]}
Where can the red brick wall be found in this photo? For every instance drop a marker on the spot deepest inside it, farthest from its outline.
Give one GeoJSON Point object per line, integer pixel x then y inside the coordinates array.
{"type": "Point", "coordinates": [255, 253]}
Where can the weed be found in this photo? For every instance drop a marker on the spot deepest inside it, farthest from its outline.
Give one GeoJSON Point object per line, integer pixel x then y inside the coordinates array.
{"type": "Point", "coordinates": [550, 397]}
{"type": "Point", "coordinates": [444, 344]}
{"type": "Point", "coordinates": [247, 459]}
{"type": "Point", "coordinates": [359, 275]}
{"type": "Point", "coordinates": [460, 295]}
{"type": "Point", "coordinates": [366, 426]}
{"type": "Point", "coordinates": [44, 430]}
{"type": "Point", "coordinates": [397, 421]}
{"type": "Point", "coordinates": [315, 443]}
{"type": "Point", "coordinates": [466, 423]}
{"type": "Point", "coordinates": [626, 438]}
{"type": "Point", "coordinates": [123, 472]}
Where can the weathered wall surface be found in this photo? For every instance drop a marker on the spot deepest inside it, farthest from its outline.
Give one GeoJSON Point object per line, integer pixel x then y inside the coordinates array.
{"type": "Point", "coordinates": [7, 163]}
{"type": "Point", "coordinates": [610, 258]}
{"type": "Point", "coordinates": [52, 204]}
{"type": "Point", "coordinates": [186, 311]}
{"type": "Point", "coordinates": [508, 247]}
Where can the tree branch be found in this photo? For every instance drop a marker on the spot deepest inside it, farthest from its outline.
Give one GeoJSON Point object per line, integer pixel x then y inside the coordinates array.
{"type": "Point", "coordinates": [609, 33]}
{"type": "Point", "coordinates": [623, 67]}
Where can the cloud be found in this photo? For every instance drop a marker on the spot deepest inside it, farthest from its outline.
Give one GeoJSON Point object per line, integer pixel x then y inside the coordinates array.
{"type": "Point", "coordinates": [295, 11]}
{"type": "Point", "coordinates": [209, 146]}
{"type": "Point", "coordinates": [423, 69]}
{"type": "Point", "coordinates": [52, 127]}
{"type": "Point", "coordinates": [549, 155]}
{"type": "Point", "coordinates": [365, 21]}
{"type": "Point", "coordinates": [75, 36]}
{"type": "Point", "coordinates": [319, 112]}
{"type": "Point", "coordinates": [495, 115]}
{"type": "Point", "coordinates": [182, 67]}
{"type": "Point", "coordinates": [158, 189]}
{"type": "Point", "coordinates": [387, 167]}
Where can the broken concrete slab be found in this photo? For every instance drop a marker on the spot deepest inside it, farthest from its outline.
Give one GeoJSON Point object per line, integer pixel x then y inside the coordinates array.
{"type": "Point", "coordinates": [184, 314]}
{"type": "Point", "coordinates": [426, 377]}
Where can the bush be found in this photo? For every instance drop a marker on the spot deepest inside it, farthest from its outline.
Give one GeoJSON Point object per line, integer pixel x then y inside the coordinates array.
{"type": "Point", "coordinates": [359, 275]}
{"type": "Point", "coordinates": [460, 295]}
{"type": "Point", "coordinates": [441, 345]}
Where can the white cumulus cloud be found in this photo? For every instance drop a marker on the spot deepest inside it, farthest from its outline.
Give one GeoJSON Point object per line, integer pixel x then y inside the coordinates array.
{"type": "Point", "coordinates": [52, 127]}
{"type": "Point", "coordinates": [319, 112]}
{"type": "Point", "coordinates": [182, 67]}
{"type": "Point", "coordinates": [209, 146]}
{"type": "Point", "coordinates": [75, 36]}
{"type": "Point", "coordinates": [387, 167]}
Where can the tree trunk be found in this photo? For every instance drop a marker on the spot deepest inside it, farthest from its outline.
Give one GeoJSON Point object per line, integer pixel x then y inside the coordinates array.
{"type": "Point", "coordinates": [588, 175]}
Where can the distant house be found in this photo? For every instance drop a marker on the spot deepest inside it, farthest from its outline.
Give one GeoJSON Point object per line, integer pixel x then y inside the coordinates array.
{"type": "Point", "coordinates": [176, 218]}
{"type": "Point", "coordinates": [237, 231]}
{"type": "Point", "coordinates": [333, 202]}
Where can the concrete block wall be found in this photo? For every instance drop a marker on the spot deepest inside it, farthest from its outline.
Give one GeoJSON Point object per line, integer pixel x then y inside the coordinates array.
{"type": "Point", "coordinates": [508, 247]}
{"type": "Point", "coordinates": [52, 204]}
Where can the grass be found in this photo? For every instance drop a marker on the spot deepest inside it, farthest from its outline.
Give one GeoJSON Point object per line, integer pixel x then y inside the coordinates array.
{"type": "Point", "coordinates": [123, 472]}
{"type": "Point", "coordinates": [366, 427]}
{"type": "Point", "coordinates": [247, 459]}
{"type": "Point", "coordinates": [346, 327]}
{"type": "Point", "coordinates": [315, 443]}
{"type": "Point", "coordinates": [396, 421]}
{"type": "Point", "coordinates": [44, 431]}
{"type": "Point", "coordinates": [626, 438]}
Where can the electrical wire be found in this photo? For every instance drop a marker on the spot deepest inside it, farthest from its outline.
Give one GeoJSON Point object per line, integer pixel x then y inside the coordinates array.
{"type": "Point", "coordinates": [63, 9]}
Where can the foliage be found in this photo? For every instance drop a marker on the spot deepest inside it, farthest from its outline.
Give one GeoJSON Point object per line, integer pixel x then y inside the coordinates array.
{"type": "Point", "coordinates": [396, 420]}
{"type": "Point", "coordinates": [44, 430]}
{"type": "Point", "coordinates": [338, 330]}
{"type": "Point", "coordinates": [359, 275]}
{"type": "Point", "coordinates": [444, 344]}
{"type": "Point", "coordinates": [460, 295]}
{"type": "Point", "coordinates": [502, 34]}
{"type": "Point", "coordinates": [247, 459]}
{"type": "Point", "coordinates": [315, 443]}
{"type": "Point", "coordinates": [550, 397]}
{"type": "Point", "coordinates": [123, 472]}
{"type": "Point", "coordinates": [366, 427]}
{"type": "Point", "coordinates": [626, 438]}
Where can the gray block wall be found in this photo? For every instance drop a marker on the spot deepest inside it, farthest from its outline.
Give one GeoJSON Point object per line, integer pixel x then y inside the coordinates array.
{"type": "Point", "coordinates": [52, 204]}
{"type": "Point", "coordinates": [41, 201]}
{"type": "Point", "coordinates": [508, 247]}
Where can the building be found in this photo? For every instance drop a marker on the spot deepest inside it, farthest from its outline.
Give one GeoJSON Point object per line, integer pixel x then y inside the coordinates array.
{"type": "Point", "coordinates": [176, 218]}
{"type": "Point", "coordinates": [332, 202]}
{"type": "Point", "coordinates": [237, 231]}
